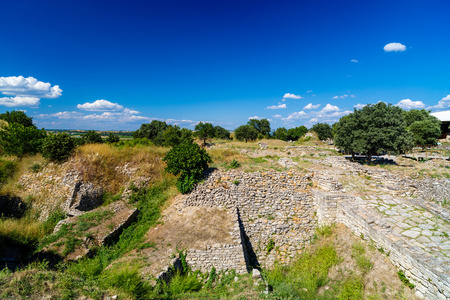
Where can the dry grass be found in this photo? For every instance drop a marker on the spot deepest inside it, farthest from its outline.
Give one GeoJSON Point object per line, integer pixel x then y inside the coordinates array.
{"type": "Point", "coordinates": [23, 230]}
{"type": "Point", "coordinates": [225, 155]}
{"type": "Point", "coordinates": [102, 163]}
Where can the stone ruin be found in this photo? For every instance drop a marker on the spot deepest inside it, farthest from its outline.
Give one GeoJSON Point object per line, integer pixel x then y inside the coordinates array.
{"type": "Point", "coordinates": [276, 214]}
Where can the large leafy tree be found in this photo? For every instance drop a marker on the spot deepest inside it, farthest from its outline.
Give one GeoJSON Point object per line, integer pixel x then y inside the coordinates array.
{"type": "Point", "coordinates": [245, 133]}
{"type": "Point", "coordinates": [293, 134]}
{"type": "Point", "coordinates": [425, 127]}
{"type": "Point", "coordinates": [262, 126]}
{"type": "Point", "coordinates": [372, 129]}
{"type": "Point", "coordinates": [323, 131]}
{"type": "Point", "coordinates": [174, 136]}
{"type": "Point", "coordinates": [204, 131]}
{"type": "Point", "coordinates": [221, 133]}
{"type": "Point", "coordinates": [18, 117]}
{"type": "Point", "coordinates": [280, 134]}
{"type": "Point", "coordinates": [152, 130]}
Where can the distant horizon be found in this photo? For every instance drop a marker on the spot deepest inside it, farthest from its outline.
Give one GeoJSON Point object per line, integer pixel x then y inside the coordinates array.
{"type": "Point", "coordinates": [105, 65]}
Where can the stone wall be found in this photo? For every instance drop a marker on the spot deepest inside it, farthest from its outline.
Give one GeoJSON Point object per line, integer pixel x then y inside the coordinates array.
{"type": "Point", "coordinates": [274, 211]}
{"type": "Point", "coordinates": [281, 210]}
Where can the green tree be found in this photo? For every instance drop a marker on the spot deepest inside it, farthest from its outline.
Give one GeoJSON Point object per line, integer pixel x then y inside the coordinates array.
{"type": "Point", "coordinates": [204, 131]}
{"type": "Point", "coordinates": [425, 127]}
{"type": "Point", "coordinates": [16, 139]}
{"type": "Point", "coordinates": [323, 131]}
{"type": "Point", "coordinates": [173, 136]}
{"type": "Point", "coordinates": [343, 133]}
{"type": "Point", "coordinates": [294, 134]}
{"type": "Point", "coordinates": [374, 128]}
{"type": "Point", "coordinates": [18, 117]}
{"type": "Point", "coordinates": [221, 133]}
{"type": "Point", "coordinates": [112, 138]}
{"type": "Point", "coordinates": [153, 130]}
{"type": "Point", "coordinates": [280, 133]}
{"type": "Point", "coordinates": [262, 126]}
{"type": "Point", "coordinates": [245, 133]}
{"type": "Point", "coordinates": [92, 137]}
{"type": "Point", "coordinates": [58, 147]}
{"type": "Point", "coordinates": [189, 161]}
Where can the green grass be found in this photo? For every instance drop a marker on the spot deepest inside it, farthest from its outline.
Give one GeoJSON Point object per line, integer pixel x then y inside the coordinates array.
{"type": "Point", "coordinates": [305, 276]}
{"type": "Point", "coordinates": [358, 253]}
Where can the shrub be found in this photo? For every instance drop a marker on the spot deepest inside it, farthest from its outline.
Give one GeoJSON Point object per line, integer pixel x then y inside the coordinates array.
{"type": "Point", "coordinates": [92, 137]}
{"type": "Point", "coordinates": [58, 147]}
{"type": "Point", "coordinates": [19, 140]}
{"type": "Point", "coordinates": [112, 138]}
{"type": "Point", "coordinates": [234, 164]}
{"type": "Point", "coordinates": [35, 168]}
{"type": "Point", "coordinates": [190, 161]}
{"type": "Point", "coordinates": [7, 170]}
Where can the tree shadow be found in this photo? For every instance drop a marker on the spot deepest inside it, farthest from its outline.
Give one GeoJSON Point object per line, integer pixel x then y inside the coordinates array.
{"type": "Point", "coordinates": [375, 161]}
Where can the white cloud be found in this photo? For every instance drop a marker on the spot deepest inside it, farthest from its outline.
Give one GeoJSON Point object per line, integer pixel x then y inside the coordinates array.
{"type": "Point", "coordinates": [409, 104]}
{"type": "Point", "coordinates": [30, 87]}
{"type": "Point", "coordinates": [276, 106]}
{"type": "Point", "coordinates": [291, 96]}
{"type": "Point", "coordinates": [330, 108]}
{"type": "Point", "coordinates": [311, 106]}
{"type": "Point", "coordinates": [354, 60]}
{"type": "Point", "coordinates": [359, 106]}
{"type": "Point", "coordinates": [340, 97]}
{"type": "Point", "coordinates": [442, 104]}
{"type": "Point", "coordinates": [100, 105]}
{"type": "Point", "coordinates": [313, 120]}
{"type": "Point", "coordinates": [295, 115]}
{"type": "Point", "coordinates": [309, 91]}
{"type": "Point", "coordinates": [255, 117]}
{"type": "Point", "coordinates": [19, 101]}
{"type": "Point", "coordinates": [394, 47]}
{"type": "Point", "coordinates": [276, 116]}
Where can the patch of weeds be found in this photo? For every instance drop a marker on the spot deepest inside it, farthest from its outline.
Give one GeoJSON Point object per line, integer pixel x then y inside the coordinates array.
{"type": "Point", "coordinates": [109, 198]}
{"type": "Point", "coordinates": [270, 217]}
{"type": "Point", "coordinates": [148, 245]}
{"type": "Point", "coordinates": [236, 182]}
{"type": "Point", "coordinates": [258, 160]}
{"type": "Point", "coordinates": [211, 277]}
{"type": "Point", "coordinates": [69, 245]}
{"type": "Point", "coordinates": [303, 278]}
{"type": "Point", "coordinates": [405, 280]}
{"type": "Point", "coordinates": [52, 220]}
{"type": "Point", "coordinates": [358, 253]}
{"type": "Point", "coordinates": [36, 168]}
{"type": "Point", "coordinates": [270, 245]}
{"type": "Point", "coordinates": [351, 288]}
{"type": "Point", "coordinates": [444, 234]}
{"type": "Point", "coordinates": [234, 164]}
{"type": "Point", "coordinates": [324, 230]}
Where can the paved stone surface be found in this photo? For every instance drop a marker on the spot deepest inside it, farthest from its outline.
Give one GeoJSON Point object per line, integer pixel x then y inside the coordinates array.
{"type": "Point", "coordinates": [415, 225]}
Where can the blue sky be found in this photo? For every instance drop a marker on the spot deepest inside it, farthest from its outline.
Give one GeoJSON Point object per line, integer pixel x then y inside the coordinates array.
{"type": "Point", "coordinates": [116, 64]}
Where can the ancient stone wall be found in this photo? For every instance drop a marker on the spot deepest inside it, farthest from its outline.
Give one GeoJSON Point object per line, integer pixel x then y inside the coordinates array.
{"type": "Point", "coordinates": [275, 211]}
